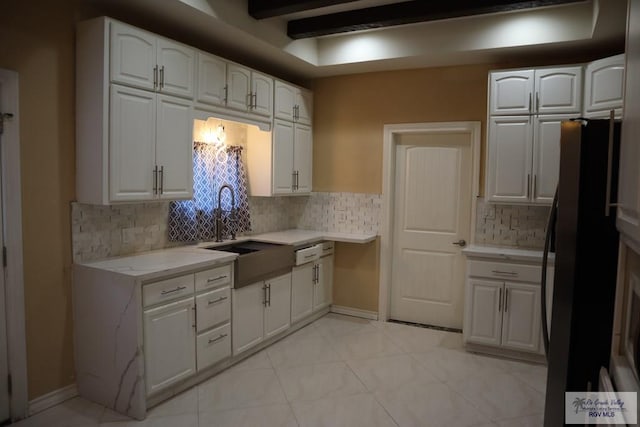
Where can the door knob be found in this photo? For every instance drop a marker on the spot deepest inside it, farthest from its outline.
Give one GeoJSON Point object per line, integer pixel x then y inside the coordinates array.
{"type": "Point", "coordinates": [462, 243]}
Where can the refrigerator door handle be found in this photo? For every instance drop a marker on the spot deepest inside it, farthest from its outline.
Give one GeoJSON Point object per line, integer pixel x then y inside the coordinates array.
{"type": "Point", "coordinates": [608, 205]}
{"type": "Point", "coordinates": [551, 224]}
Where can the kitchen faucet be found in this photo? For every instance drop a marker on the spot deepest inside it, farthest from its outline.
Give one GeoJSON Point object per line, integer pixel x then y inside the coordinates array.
{"type": "Point", "coordinates": [218, 214]}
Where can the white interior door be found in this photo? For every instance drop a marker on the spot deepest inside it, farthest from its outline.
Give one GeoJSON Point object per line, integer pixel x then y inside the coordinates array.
{"type": "Point", "coordinates": [4, 357]}
{"type": "Point", "coordinates": [432, 212]}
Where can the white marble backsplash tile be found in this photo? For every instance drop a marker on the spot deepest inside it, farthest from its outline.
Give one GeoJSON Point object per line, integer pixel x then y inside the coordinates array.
{"type": "Point", "coordinates": [100, 232]}
{"type": "Point", "coordinates": [511, 225]}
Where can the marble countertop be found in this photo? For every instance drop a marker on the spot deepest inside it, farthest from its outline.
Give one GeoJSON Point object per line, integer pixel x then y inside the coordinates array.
{"type": "Point", "coordinates": [154, 264]}
{"type": "Point", "coordinates": [506, 253]}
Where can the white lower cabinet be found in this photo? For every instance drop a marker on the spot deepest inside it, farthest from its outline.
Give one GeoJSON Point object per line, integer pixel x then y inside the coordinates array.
{"type": "Point", "coordinates": [169, 336]}
{"type": "Point", "coordinates": [311, 287]}
{"type": "Point", "coordinates": [503, 305]}
{"type": "Point", "coordinates": [260, 310]}
{"type": "Point", "coordinates": [213, 346]}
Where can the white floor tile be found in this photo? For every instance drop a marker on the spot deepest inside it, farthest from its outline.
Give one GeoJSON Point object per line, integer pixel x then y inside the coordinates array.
{"type": "Point", "coordinates": [412, 339]}
{"type": "Point", "coordinates": [529, 421]}
{"type": "Point", "coordinates": [388, 373]}
{"type": "Point", "coordinates": [333, 325]}
{"type": "Point", "coordinates": [301, 352]}
{"type": "Point", "coordinates": [500, 396]}
{"type": "Point", "coordinates": [319, 381]}
{"type": "Point", "coordinates": [360, 410]}
{"type": "Point", "coordinates": [533, 376]}
{"type": "Point", "coordinates": [365, 346]}
{"type": "Point", "coordinates": [184, 403]}
{"type": "Point", "coordinates": [279, 415]}
{"type": "Point", "coordinates": [455, 365]}
{"type": "Point", "coordinates": [183, 420]}
{"type": "Point", "coordinates": [240, 389]}
{"type": "Point", "coordinates": [260, 360]}
{"type": "Point", "coordinates": [76, 412]}
{"type": "Point", "coordinates": [429, 404]}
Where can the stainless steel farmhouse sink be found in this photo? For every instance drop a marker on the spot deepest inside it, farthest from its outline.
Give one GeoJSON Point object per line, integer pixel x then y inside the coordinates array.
{"type": "Point", "coordinates": [258, 260]}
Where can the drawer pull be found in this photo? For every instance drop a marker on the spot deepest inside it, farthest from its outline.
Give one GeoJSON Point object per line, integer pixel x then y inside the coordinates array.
{"type": "Point", "coordinates": [215, 279]}
{"type": "Point", "coordinates": [178, 289]}
{"type": "Point", "coordinates": [214, 340]}
{"type": "Point", "coordinates": [217, 300]}
{"type": "Point", "coordinates": [309, 256]}
{"type": "Point", "coordinates": [510, 273]}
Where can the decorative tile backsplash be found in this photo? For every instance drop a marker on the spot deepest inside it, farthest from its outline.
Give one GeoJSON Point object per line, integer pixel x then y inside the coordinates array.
{"type": "Point", "coordinates": [511, 225]}
{"type": "Point", "coordinates": [100, 232]}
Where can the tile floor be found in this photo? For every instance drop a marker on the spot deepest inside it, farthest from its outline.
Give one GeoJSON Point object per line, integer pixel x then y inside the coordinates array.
{"type": "Point", "coordinates": [345, 371]}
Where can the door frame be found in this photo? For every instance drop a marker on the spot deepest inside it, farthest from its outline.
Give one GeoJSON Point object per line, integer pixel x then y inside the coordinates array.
{"type": "Point", "coordinates": [14, 273]}
{"type": "Point", "coordinates": [392, 132]}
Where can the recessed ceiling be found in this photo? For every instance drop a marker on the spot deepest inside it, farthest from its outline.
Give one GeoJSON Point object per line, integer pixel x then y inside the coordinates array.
{"type": "Point", "coordinates": [554, 32]}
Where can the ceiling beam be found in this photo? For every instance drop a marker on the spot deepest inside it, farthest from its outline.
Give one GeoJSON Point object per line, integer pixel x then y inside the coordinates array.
{"type": "Point", "coordinates": [408, 12]}
{"type": "Point", "coordinates": [260, 9]}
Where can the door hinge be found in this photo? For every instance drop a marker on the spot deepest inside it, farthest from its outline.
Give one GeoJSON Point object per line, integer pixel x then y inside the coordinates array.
{"type": "Point", "coordinates": [4, 256]}
{"type": "Point", "coordinates": [9, 384]}
{"type": "Point", "coordinates": [3, 117]}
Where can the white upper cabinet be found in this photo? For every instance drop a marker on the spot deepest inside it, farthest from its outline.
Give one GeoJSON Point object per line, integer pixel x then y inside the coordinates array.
{"type": "Point", "coordinates": [283, 154]}
{"type": "Point", "coordinates": [293, 103]}
{"type": "Point", "coordinates": [303, 159]}
{"type": "Point", "coordinates": [249, 90]}
{"type": "Point", "coordinates": [558, 90]}
{"type": "Point", "coordinates": [142, 59]}
{"type": "Point", "coordinates": [604, 86]}
{"type": "Point", "coordinates": [536, 91]}
{"type": "Point", "coordinates": [546, 157]}
{"type": "Point", "coordinates": [212, 80]}
{"type": "Point", "coordinates": [511, 92]}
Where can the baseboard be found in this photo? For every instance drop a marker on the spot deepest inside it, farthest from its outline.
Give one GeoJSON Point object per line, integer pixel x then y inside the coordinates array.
{"type": "Point", "coordinates": [356, 312]}
{"type": "Point", "coordinates": [52, 399]}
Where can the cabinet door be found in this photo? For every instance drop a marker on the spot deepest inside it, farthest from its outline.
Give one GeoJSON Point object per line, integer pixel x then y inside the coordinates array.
{"type": "Point", "coordinates": [511, 92]}
{"type": "Point", "coordinates": [132, 141]}
{"type": "Point", "coordinates": [176, 68]}
{"type": "Point", "coordinates": [558, 90]}
{"type": "Point", "coordinates": [238, 86]}
{"type": "Point", "coordinates": [213, 346]}
{"type": "Point", "coordinates": [604, 84]}
{"type": "Point", "coordinates": [521, 320]}
{"type": "Point", "coordinates": [262, 88]}
{"type": "Point", "coordinates": [303, 158]}
{"type": "Point", "coordinates": [174, 148]}
{"type": "Point", "coordinates": [322, 291]}
{"type": "Point", "coordinates": [277, 313]}
{"type": "Point", "coordinates": [212, 80]}
{"type": "Point", "coordinates": [284, 102]}
{"type": "Point", "coordinates": [546, 157]}
{"type": "Point", "coordinates": [248, 316]}
{"type": "Point", "coordinates": [628, 220]}
{"type": "Point", "coordinates": [304, 102]}
{"type": "Point", "coordinates": [302, 289]}
{"type": "Point", "coordinates": [213, 308]}
{"type": "Point", "coordinates": [133, 57]}
{"type": "Point", "coordinates": [169, 344]}
{"type": "Point", "coordinates": [483, 318]}
{"type": "Point", "coordinates": [283, 135]}
{"type": "Point", "coordinates": [509, 168]}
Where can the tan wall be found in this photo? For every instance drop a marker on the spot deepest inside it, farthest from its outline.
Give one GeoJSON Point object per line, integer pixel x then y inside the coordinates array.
{"type": "Point", "coordinates": [349, 115]}
{"type": "Point", "coordinates": [37, 41]}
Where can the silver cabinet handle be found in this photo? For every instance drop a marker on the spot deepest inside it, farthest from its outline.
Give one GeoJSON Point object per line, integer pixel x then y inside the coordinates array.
{"type": "Point", "coordinates": [215, 279]}
{"type": "Point", "coordinates": [530, 101]}
{"type": "Point", "coordinates": [537, 102]}
{"type": "Point", "coordinates": [506, 299]}
{"type": "Point", "coordinates": [220, 337]}
{"type": "Point", "coordinates": [249, 99]}
{"type": "Point", "coordinates": [155, 76]}
{"type": "Point", "coordinates": [462, 243]}
{"type": "Point", "coordinates": [269, 294]}
{"type": "Point", "coordinates": [155, 180]}
{"type": "Point", "coordinates": [226, 93]}
{"type": "Point", "coordinates": [528, 185]}
{"type": "Point", "coordinates": [161, 186]}
{"type": "Point", "coordinates": [533, 194]}
{"type": "Point", "coordinates": [255, 100]}
{"type": "Point", "coordinates": [296, 184]}
{"type": "Point", "coordinates": [500, 301]}
{"type": "Point", "coordinates": [510, 273]}
{"type": "Point", "coordinates": [178, 289]}
{"type": "Point", "coordinates": [162, 77]}
{"type": "Point", "coordinates": [264, 291]}
{"type": "Point", "coordinates": [217, 300]}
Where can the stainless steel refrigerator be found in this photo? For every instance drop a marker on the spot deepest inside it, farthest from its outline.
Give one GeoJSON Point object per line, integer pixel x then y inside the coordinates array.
{"type": "Point", "coordinates": [585, 241]}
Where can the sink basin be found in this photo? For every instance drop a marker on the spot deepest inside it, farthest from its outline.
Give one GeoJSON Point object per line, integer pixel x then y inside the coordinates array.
{"type": "Point", "coordinates": [258, 261]}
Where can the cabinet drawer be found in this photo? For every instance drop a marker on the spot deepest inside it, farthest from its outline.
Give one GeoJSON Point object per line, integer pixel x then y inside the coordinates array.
{"type": "Point", "coordinates": [504, 271]}
{"type": "Point", "coordinates": [213, 346]}
{"type": "Point", "coordinates": [213, 277]}
{"type": "Point", "coordinates": [309, 254]}
{"type": "Point", "coordinates": [327, 248]}
{"type": "Point", "coordinates": [167, 290]}
{"type": "Point", "coordinates": [213, 308]}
